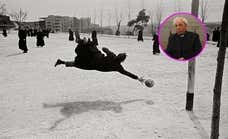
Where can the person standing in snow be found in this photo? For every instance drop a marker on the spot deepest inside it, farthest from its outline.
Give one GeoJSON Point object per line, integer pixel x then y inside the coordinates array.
{"type": "Point", "coordinates": [155, 44]}
{"type": "Point", "coordinates": [71, 35]}
{"type": "Point", "coordinates": [22, 39]}
{"type": "Point", "coordinates": [4, 32]}
{"type": "Point", "coordinates": [94, 37]}
{"type": "Point", "coordinates": [40, 38]}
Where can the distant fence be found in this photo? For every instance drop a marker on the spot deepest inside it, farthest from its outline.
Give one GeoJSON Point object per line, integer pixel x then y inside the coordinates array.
{"type": "Point", "coordinates": [125, 36]}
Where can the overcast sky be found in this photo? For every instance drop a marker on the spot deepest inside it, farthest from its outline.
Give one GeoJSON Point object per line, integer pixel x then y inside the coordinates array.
{"type": "Point", "coordinates": [93, 8]}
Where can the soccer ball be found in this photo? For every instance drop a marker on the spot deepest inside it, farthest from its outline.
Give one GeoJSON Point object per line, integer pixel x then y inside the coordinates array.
{"type": "Point", "coordinates": [149, 83]}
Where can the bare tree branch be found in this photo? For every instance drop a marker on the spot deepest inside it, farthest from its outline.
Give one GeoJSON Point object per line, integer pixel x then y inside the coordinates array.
{"type": "Point", "coordinates": [3, 10]}
{"type": "Point", "coordinates": [203, 9]}
{"type": "Point", "coordinates": [152, 21]}
{"type": "Point", "coordinates": [101, 17]}
{"type": "Point", "coordinates": [158, 12]}
{"type": "Point", "coordinates": [129, 10]}
{"type": "Point", "coordinates": [19, 16]}
{"type": "Point", "coordinates": [178, 6]}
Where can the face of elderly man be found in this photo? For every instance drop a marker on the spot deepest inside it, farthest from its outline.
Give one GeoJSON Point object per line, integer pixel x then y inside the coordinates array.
{"type": "Point", "coordinates": [180, 25]}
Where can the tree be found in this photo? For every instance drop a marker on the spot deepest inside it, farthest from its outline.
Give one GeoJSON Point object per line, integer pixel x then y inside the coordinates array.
{"type": "Point", "coordinates": [158, 13]}
{"type": "Point", "coordinates": [101, 18]}
{"type": "Point", "coordinates": [109, 18]}
{"type": "Point", "coordinates": [140, 22]}
{"type": "Point", "coordinates": [203, 9]}
{"type": "Point", "coordinates": [118, 17]}
{"type": "Point", "coordinates": [2, 8]}
{"type": "Point", "coordinates": [19, 16]}
{"type": "Point", "coordinates": [129, 16]}
{"type": "Point", "coordinates": [94, 16]}
{"type": "Point", "coordinates": [152, 21]}
{"type": "Point", "coordinates": [178, 6]}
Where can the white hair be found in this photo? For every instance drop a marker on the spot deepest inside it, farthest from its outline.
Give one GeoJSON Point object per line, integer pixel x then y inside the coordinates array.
{"type": "Point", "coordinates": [184, 20]}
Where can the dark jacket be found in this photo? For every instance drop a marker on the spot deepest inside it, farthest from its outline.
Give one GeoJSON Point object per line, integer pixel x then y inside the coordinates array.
{"type": "Point", "coordinates": [22, 34]}
{"type": "Point", "coordinates": [186, 45]}
{"type": "Point", "coordinates": [155, 39]}
{"type": "Point", "coordinates": [155, 44]}
{"type": "Point", "coordinates": [22, 40]}
{"type": "Point", "coordinates": [88, 53]}
{"type": "Point", "coordinates": [71, 35]}
{"type": "Point", "coordinates": [94, 38]}
{"type": "Point", "coordinates": [4, 33]}
{"type": "Point", "coordinates": [40, 38]}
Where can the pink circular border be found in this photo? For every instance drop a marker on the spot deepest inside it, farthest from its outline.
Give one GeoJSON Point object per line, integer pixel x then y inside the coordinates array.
{"type": "Point", "coordinates": [203, 30]}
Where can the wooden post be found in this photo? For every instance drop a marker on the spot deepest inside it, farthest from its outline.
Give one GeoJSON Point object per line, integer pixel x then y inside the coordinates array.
{"type": "Point", "coordinates": [191, 84]}
{"type": "Point", "coordinates": [219, 74]}
{"type": "Point", "coordinates": [191, 68]}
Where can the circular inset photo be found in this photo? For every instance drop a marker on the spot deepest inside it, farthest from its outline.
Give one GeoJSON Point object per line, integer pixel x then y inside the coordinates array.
{"type": "Point", "coordinates": [182, 36]}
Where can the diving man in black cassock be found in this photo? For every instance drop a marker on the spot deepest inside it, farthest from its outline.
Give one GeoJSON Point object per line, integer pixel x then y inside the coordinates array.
{"type": "Point", "coordinates": [89, 57]}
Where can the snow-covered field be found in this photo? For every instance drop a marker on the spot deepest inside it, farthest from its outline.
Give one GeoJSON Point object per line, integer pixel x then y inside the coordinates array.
{"type": "Point", "coordinates": [38, 100]}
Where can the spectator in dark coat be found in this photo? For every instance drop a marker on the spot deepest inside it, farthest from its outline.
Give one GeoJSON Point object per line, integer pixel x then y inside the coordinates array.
{"type": "Point", "coordinates": [155, 44]}
{"type": "Point", "coordinates": [140, 35]}
{"type": "Point", "coordinates": [94, 37]}
{"type": "Point", "coordinates": [208, 36]}
{"type": "Point", "coordinates": [40, 38]}
{"type": "Point", "coordinates": [22, 39]}
{"type": "Point", "coordinates": [4, 32]}
{"type": "Point", "coordinates": [71, 35]}
{"type": "Point", "coordinates": [183, 45]}
{"type": "Point", "coordinates": [77, 36]}
{"type": "Point", "coordinates": [216, 34]}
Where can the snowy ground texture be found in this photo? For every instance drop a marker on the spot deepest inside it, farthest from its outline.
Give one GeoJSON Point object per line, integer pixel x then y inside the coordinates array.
{"type": "Point", "coordinates": [40, 101]}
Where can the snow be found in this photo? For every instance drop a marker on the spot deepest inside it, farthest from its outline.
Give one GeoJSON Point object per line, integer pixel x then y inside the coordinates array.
{"type": "Point", "coordinates": [38, 100]}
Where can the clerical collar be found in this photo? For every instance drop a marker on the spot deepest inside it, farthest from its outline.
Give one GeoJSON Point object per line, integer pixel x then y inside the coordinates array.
{"type": "Point", "coordinates": [181, 35]}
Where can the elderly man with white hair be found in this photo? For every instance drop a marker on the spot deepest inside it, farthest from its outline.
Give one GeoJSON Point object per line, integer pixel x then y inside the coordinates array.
{"type": "Point", "coordinates": [183, 45]}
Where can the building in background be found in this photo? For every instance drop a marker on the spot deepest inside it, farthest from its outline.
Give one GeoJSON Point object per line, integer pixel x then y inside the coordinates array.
{"type": "Point", "coordinates": [76, 24]}
{"type": "Point", "coordinates": [54, 23]}
{"type": "Point", "coordinates": [85, 24]}
{"type": "Point", "coordinates": [35, 24]}
{"type": "Point", "coordinates": [64, 23]}
{"type": "Point", "coordinates": [67, 23]}
{"type": "Point", "coordinates": [5, 22]}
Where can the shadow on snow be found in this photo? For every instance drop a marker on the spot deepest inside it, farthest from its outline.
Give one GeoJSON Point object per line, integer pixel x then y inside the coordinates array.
{"type": "Point", "coordinates": [70, 108]}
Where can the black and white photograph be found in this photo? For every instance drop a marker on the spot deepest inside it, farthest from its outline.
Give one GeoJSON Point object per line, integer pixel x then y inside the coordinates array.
{"type": "Point", "coordinates": [98, 69]}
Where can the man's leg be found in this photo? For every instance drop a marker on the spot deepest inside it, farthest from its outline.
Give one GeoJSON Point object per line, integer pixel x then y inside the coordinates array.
{"type": "Point", "coordinates": [108, 52]}
{"type": "Point", "coordinates": [117, 58]}
{"type": "Point", "coordinates": [66, 63]}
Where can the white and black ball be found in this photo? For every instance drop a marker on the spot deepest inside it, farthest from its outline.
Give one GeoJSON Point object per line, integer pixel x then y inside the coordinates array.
{"type": "Point", "coordinates": [149, 83]}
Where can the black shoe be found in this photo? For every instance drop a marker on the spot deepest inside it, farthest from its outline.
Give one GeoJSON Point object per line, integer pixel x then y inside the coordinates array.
{"type": "Point", "coordinates": [58, 62]}
{"type": "Point", "coordinates": [121, 57]}
{"type": "Point", "coordinates": [106, 50]}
